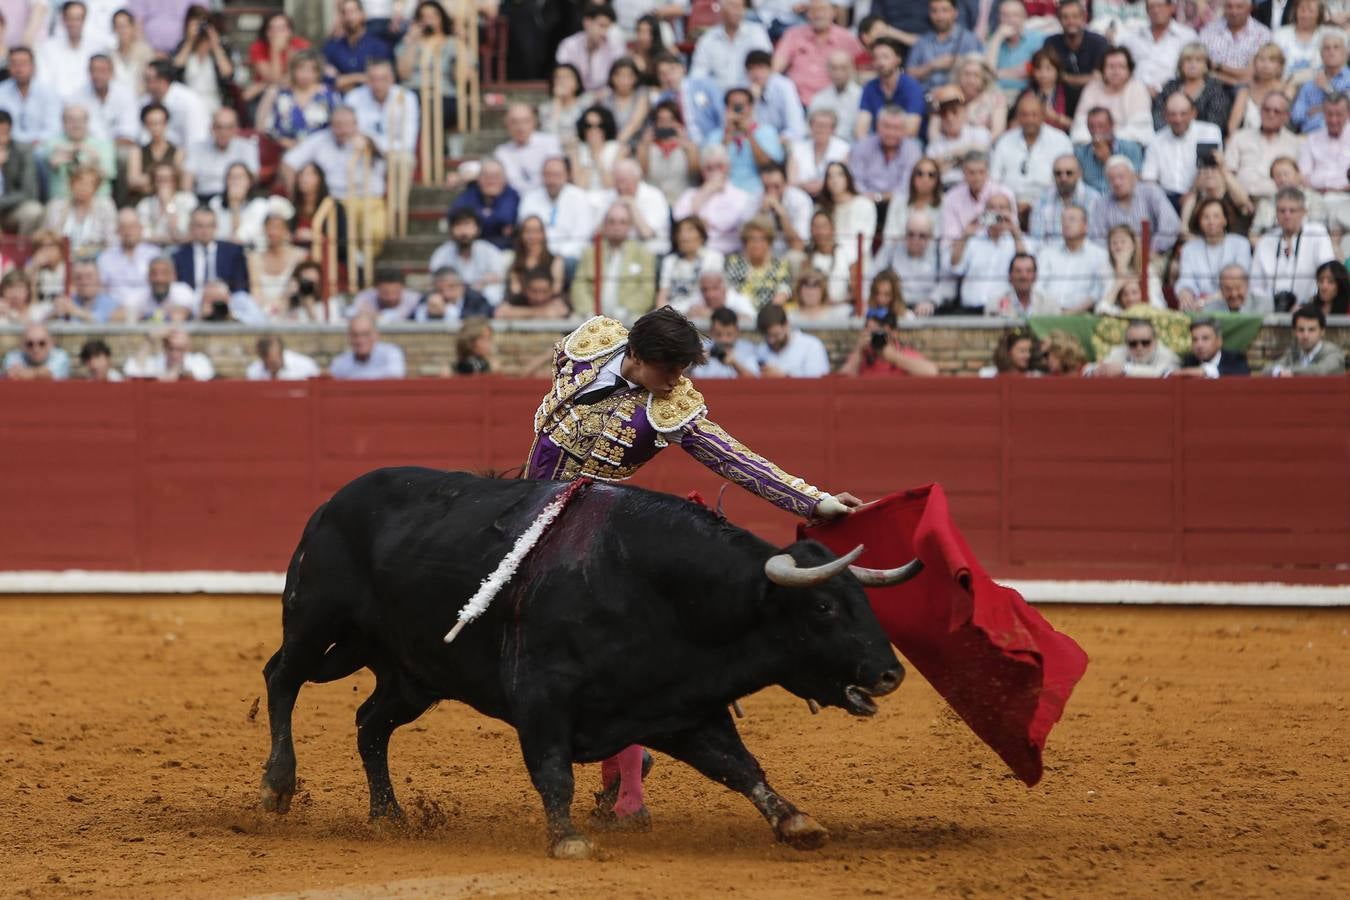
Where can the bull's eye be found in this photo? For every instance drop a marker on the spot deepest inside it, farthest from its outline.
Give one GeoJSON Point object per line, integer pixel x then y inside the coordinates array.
{"type": "Point", "coordinates": [825, 608]}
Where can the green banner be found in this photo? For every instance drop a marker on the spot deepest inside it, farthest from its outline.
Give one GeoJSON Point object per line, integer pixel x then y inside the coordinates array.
{"type": "Point", "coordinates": [1098, 334]}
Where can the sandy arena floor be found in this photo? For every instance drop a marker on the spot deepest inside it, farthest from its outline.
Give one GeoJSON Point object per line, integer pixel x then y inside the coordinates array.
{"type": "Point", "coordinates": [1205, 754]}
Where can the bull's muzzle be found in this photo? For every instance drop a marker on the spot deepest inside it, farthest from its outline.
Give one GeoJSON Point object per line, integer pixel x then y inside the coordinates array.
{"type": "Point", "coordinates": [859, 700]}
{"type": "Point", "coordinates": [783, 570]}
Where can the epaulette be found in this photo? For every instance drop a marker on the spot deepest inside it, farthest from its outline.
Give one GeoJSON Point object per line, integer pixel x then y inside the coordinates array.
{"type": "Point", "coordinates": [673, 412]}
{"type": "Point", "coordinates": [594, 339]}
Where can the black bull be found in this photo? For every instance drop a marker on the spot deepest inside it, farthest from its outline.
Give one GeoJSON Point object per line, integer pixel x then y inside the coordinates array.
{"type": "Point", "coordinates": [637, 619]}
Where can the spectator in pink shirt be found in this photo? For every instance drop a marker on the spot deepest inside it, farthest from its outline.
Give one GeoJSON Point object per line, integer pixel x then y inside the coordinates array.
{"type": "Point", "coordinates": [804, 49]}
{"type": "Point", "coordinates": [595, 48]}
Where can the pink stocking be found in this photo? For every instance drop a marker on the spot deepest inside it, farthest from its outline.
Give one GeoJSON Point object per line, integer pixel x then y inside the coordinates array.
{"type": "Point", "coordinates": [630, 781]}
{"type": "Point", "coordinates": [609, 771]}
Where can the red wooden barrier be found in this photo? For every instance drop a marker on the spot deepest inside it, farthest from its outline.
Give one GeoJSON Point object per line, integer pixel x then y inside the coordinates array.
{"type": "Point", "coordinates": [1179, 480]}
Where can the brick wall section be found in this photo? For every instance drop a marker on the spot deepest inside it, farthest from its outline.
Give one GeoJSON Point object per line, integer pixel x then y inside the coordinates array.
{"type": "Point", "coordinates": [956, 350]}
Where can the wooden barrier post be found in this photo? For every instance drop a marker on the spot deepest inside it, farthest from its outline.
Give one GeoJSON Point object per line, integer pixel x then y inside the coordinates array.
{"type": "Point", "coordinates": [858, 299]}
{"type": "Point", "coordinates": [1145, 251]}
{"type": "Point", "coordinates": [424, 136]}
{"type": "Point", "coordinates": [598, 245]}
{"type": "Point", "coordinates": [323, 247]}
{"type": "Point", "coordinates": [396, 173]}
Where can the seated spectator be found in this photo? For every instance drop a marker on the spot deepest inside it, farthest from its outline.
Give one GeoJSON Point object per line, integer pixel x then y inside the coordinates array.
{"type": "Point", "coordinates": [809, 156]}
{"type": "Point", "coordinates": [1127, 276]}
{"type": "Point", "coordinates": [881, 162]}
{"type": "Point", "coordinates": [166, 213]}
{"type": "Point", "coordinates": [536, 301]}
{"type": "Point", "coordinates": [209, 161]}
{"type": "Point", "coordinates": [886, 295]}
{"type": "Point", "coordinates": [748, 144]}
{"type": "Point", "coordinates": [593, 50]}
{"type": "Point", "coordinates": [1093, 156]}
{"type": "Point", "coordinates": [1014, 354]}
{"type": "Point", "coordinates": [1233, 42]}
{"type": "Point", "coordinates": [164, 299]}
{"type": "Point", "coordinates": [276, 362]}
{"type": "Point", "coordinates": [156, 149]}
{"type": "Point", "coordinates": [804, 52]}
{"type": "Point", "coordinates": [530, 255]}
{"type": "Point", "coordinates": [87, 300]}
{"type": "Point", "coordinates": [1209, 97]}
{"type": "Point", "coordinates": [309, 193]}
{"type": "Point", "coordinates": [19, 304]}
{"type": "Point", "coordinates": [38, 359]}
{"type": "Point", "coordinates": [933, 57]}
{"type": "Point", "coordinates": [46, 267]}
{"type": "Point", "coordinates": [74, 148]}
{"type": "Point", "coordinates": [206, 258]}
{"type": "Point", "coordinates": [854, 215]}
{"type": "Point", "coordinates": [650, 36]}
{"type": "Point", "coordinates": [20, 209]}
{"type": "Point", "coordinates": [431, 38]}
{"type": "Point", "coordinates": [559, 114]}
{"type": "Point", "coordinates": [1023, 296]}
{"type": "Point", "coordinates": [828, 255]}
{"type": "Point", "coordinates": [1010, 48]}
{"type": "Point", "coordinates": [302, 108]}
{"type": "Point", "coordinates": [1118, 92]}
{"type": "Point", "coordinates": [787, 352]}
{"type": "Point", "coordinates": [1129, 202]}
{"type": "Point", "coordinates": [161, 21]}
{"type": "Point", "coordinates": [986, 107]}
{"type": "Point", "coordinates": [368, 358]}
{"type": "Point", "coordinates": [811, 301]}
{"type": "Point", "coordinates": [522, 157]}
{"type": "Point", "coordinates": [272, 267]}
{"type": "Point", "coordinates": [666, 153]}
{"type": "Point", "coordinates": [924, 194]}
{"type": "Point", "coordinates": [563, 207]}
{"type": "Point", "coordinates": [1235, 294]}
{"type": "Point", "coordinates": [96, 357]}
{"type": "Point", "coordinates": [1332, 78]}
{"type": "Point", "coordinates": [239, 214]}
{"type": "Point", "coordinates": [131, 55]}
{"type": "Point", "coordinates": [34, 108]}
{"type": "Point", "coordinates": [891, 87]}
{"type": "Point", "coordinates": [1142, 355]}
{"type": "Point", "coordinates": [728, 354]}
{"type": "Point", "coordinates": [1284, 172]}
{"type": "Point", "coordinates": [1284, 267]}
{"type": "Point", "coordinates": [1251, 151]}
{"type": "Point", "coordinates": [775, 99]}
{"type": "Point", "coordinates": [388, 301]}
{"type": "Point", "coordinates": [646, 204]}
{"type": "Point", "coordinates": [1298, 39]}
{"type": "Point", "coordinates": [625, 271]}
{"type": "Point", "coordinates": [1207, 359]}
{"type": "Point", "coordinates": [220, 305]}
{"type": "Point", "coordinates": [713, 294]}
{"type": "Point", "coordinates": [307, 298]}
{"type": "Point", "coordinates": [698, 99]}
{"type": "Point", "coordinates": [626, 100]}
{"type": "Point", "coordinates": [917, 259]}
{"type": "Point", "coordinates": [719, 53]}
{"type": "Point", "coordinates": [204, 58]}
{"type": "Point", "coordinates": [1069, 190]}
{"type": "Point", "coordinates": [1325, 157]}
{"type": "Point", "coordinates": [1047, 82]}
{"type": "Point", "coordinates": [176, 360]}
{"type": "Point", "coordinates": [391, 115]}
{"type": "Point", "coordinates": [678, 283]}
{"type": "Point", "coordinates": [1205, 256]}
{"type": "Point", "coordinates": [450, 300]}
{"type": "Point", "coordinates": [63, 57]}
{"type": "Point", "coordinates": [842, 96]}
{"type": "Point", "coordinates": [720, 204]}
{"type": "Point", "coordinates": [787, 207]}
{"type": "Point", "coordinates": [1333, 289]}
{"type": "Point", "coordinates": [473, 348]}
{"type": "Point", "coordinates": [189, 124]}
{"type": "Point", "coordinates": [347, 54]}
{"type": "Point", "coordinates": [755, 272]}
{"type": "Point", "coordinates": [983, 254]}
{"type": "Point", "coordinates": [1078, 50]}
{"type": "Point", "coordinates": [1062, 353]}
{"type": "Point", "coordinates": [269, 56]}
{"type": "Point", "coordinates": [1215, 182]}
{"type": "Point", "coordinates": [477, 262]}
{"type": "Point", "coordinates": [880, 352]}
{"type": "Point", "coordinates": [965, 203]}
{"type": "Point", "coordinates": [495, 202]}
{"type": "Point", "coordinates": [1023, 158]}
{"type": "Point", "coordinates": [1267, 82]}
{"type": "Point", "coordinates": [87, 221]}
{"type": "Point", "coordinates": [952, 135]}
{"type": "Point", "coordinates": [124, 267]}
{"type": "Point", "coordinates": [1311, 353]}
{"type": "Point", "coordinates": [338, 151]}
{"type": "Point", "coordinates": [1078, 272]}
{"type": "Point", "coordinates": [1156, 49]}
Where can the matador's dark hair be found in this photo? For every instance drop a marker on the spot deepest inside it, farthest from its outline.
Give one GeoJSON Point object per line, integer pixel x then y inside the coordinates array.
{"type": "Point", "coordinates": [666, 338]}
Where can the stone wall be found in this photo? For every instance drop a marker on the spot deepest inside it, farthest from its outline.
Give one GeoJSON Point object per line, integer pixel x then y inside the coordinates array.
{"type": "Point", "coordinates": [959, 347]}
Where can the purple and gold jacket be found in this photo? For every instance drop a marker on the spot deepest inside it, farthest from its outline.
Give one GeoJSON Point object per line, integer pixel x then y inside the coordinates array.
{"type": "Point", "coordinates": [612, 439]}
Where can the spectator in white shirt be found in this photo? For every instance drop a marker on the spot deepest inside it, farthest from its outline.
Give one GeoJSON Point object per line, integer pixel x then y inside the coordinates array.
{"type": "Point", "coordinates": [277, 363]}
{"type": "Point", "coordinates": [983, 253]}
{"type": "Point", "coordinates": [1325, 158]}
{"type": "Point", "coordinates": [787, 206]}
{"type": "Point", "coordinates": [646, 203]}
{"type": "Point", "coordinates": [523, 155]}
{"type": "Point", "coordinates": [1023, 157]}
{"type": "Point", "coordinates": [388, 301]}
{"type": "Point", "coordinates": [1077, 271]}
{"type": "Point", "coordinates": [113, 112]}
{"type": "Point", "coordinates": [956, 134]}
{"type": "Point", "coordinates": [564, 209]}
{"type": "Point", "coordinates": [63, 59]}
{"type": "Point", "coordinates": [208, 161]}
{"type": "Point", "coordinates": [787, 352]}
{"type": "Point", "coordinates": [1157, 48]}
{"type": "Point", "coordinates": [332, 150]}
{"type": "Point", "coordinates": [1172, 158]}
{"type": "Point", "coordinates": [720, 51]}
{"type": "Point", "coordinates": [1205, 256]}
{"type": "Point", "coordinates": [1251, 151]}
{"type": "Point", "coordinates": [810, 155]}
{"type": "Point", "coordinates": [34, 108]}
{"type": "Point", "coordinates": [176, 361]}
{"type": "Point", "coordinates": [368, 358]}
{"type": "Point", "coordinates": [1024, 296]}
{"type": "Point", "coordinates": [843, 96]}
{"type": "Point", "coordinates": [713, 294]}
{"type": "Point", "coordinates": [918, 260]}
{"type": "Point", "coordinates": [389, 114]}
{"type": "Point", "coordinates": [189, 124]}
{"type": "Point", "coordinates": [1284, 268]}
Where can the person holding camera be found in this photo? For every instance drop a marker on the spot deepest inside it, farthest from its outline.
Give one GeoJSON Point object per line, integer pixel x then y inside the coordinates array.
{"type": "Point", "coordinates": [879, 351]}
{"type": "Point", "coordinates": [984, 252]}
{"type": "Point", "coordinates": [729, 354]}
{"type": "Point", "coordinates": [1179, 149]}
{"type": "Point", "coordinates": [1284, 266]}
{"type": "Point", "coordinates": [749, 144]}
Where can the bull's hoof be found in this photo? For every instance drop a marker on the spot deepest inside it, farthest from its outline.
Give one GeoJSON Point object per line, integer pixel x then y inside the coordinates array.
{"type": "Point", "coordinates": [639, 821]}
{"type": "Point", "coordinates": [274, 800]}
{"type": "Point", "coordinates": [802, 832]}
{"type": "Point", "coordinates": [574, 846]}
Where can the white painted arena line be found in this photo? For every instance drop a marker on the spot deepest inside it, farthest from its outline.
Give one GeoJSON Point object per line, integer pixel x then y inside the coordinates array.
{"type": "Point", "coordinates": [1145, 593]}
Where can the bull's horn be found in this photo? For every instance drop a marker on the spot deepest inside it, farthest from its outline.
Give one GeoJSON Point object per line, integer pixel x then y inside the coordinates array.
{"type": "Point", "coordinates": [783, 569]}
{"type": "Point", "coordinates": [887, 577]}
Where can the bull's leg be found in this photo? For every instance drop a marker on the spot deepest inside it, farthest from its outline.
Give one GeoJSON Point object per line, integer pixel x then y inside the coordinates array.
{"type": "Point", "coordinates": [715, 749]}
{"type": "Point", "coordinates": [385, 710]}
{"type": "Point", "coordinates": [548, 757]}
{"type": "Point", "coordinates": [284, 673]}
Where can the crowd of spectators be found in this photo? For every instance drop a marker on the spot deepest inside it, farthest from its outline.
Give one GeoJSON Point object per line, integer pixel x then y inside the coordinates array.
{"type": "Point", "coordinates": [792, 163]}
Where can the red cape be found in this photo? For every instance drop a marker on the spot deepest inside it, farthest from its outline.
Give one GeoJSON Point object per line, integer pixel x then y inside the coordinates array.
{"type": "Point", "coordinates": [994, 658]}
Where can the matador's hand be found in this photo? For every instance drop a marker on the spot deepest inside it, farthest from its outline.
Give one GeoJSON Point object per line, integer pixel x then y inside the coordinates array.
{"type": "Point", "coordinates": [840, 504]}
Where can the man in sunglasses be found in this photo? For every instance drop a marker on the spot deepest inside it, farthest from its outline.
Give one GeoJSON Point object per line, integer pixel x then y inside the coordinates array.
{"type": "Point", "coordinates": [1141, 356]}
{"type": "Point", "coordinates": [37, 359]}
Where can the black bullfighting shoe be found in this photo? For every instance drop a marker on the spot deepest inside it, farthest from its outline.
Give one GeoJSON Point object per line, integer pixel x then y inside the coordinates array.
{"type": "Point", "coordinates": [603, 814]}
